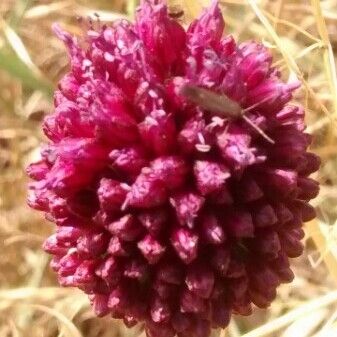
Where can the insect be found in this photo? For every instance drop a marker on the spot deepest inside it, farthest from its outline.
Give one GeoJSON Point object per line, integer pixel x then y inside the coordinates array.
{"type": "Point", "coordinates": [221, 104]}
{"type": "Point", "coordinates": [175, 12]}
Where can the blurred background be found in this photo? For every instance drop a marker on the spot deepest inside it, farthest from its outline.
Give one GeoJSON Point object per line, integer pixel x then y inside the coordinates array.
{"type": "Point", "coordinates": [303, 37]}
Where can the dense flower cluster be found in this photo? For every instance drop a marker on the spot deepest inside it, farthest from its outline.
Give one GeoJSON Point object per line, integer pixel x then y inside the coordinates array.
{"type": "Point", "coordinates": [169, 213]}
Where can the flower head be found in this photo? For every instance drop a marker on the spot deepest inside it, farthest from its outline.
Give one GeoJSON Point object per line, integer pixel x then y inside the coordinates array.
{"type": "Point", "coordinates": [176, 172]}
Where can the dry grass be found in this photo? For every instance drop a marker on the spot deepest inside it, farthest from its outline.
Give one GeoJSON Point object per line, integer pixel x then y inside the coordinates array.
{"type": "Point", "coordinates": [303, 36]}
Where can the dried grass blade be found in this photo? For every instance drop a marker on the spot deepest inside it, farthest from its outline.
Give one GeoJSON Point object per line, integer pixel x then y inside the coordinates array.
{"type": "Point", "coordinates": [291, 316]}
{"type": "Point", "coordinates": [31, 293]}
{"type": "Point", "coordinates": [44, 10]}
{"type": "Point", "coordinates": [18, 46]}
{"type": "Point", "coordinates": [69, 325]}
{"type": "Point", "coordinates": [104, 15]}
{"type": "Point", "coordinates": [329, 61]}
{"type": "Point", "coordinates": [327, 247]}
{"type": "Point", "coordinates": [306, 325]}
{"type": "Point", "coordinates": [277, 20]}
{"type": "Point", "coordinates": [287, 57]}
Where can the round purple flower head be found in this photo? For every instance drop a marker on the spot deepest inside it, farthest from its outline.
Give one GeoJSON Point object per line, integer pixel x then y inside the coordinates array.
{"type": "Point", "coordinates": [176, 172]}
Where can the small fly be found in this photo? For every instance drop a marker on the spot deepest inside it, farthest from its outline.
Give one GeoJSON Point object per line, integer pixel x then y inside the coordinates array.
{"type": "Point", "coordinates": [176, 12]}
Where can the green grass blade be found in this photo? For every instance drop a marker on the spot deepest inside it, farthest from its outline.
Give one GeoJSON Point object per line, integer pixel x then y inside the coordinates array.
{"type": "Point", "coordinates": [15, 67]}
